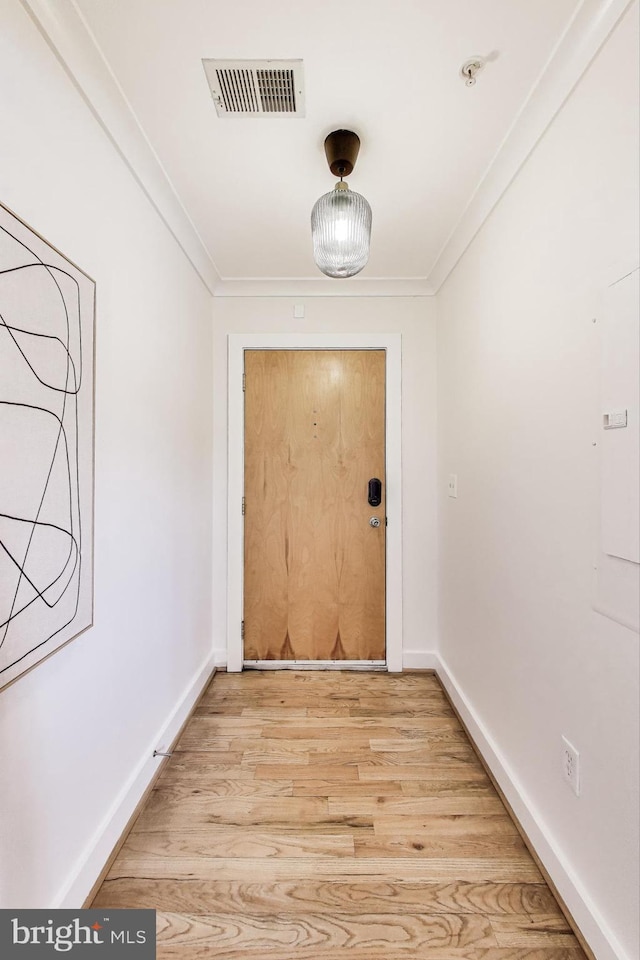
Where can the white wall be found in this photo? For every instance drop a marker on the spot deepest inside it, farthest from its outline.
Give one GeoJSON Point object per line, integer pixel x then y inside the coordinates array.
{"type": "Point", "coordinates": [79, 727]}
{"type": "Point", "coordinates": [414, 319]}
{"type": "Point", "coordinates": [518, 412]}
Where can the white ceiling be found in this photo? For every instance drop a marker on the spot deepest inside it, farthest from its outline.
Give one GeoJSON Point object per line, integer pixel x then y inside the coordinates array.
{"type": "Point", "coordinates": [389, 71]}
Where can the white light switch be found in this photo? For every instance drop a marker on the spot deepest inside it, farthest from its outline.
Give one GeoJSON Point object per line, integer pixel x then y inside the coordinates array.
{"type": "Point", "coordinates": [452, 485]}
{"type": "Point", "coordinates": [298, 311]}
{"type": "Point", "coordinates": [614, 420]}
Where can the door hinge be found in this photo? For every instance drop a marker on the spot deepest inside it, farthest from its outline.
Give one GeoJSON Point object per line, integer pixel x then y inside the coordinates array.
{"type": "Point", "coordinates": [244, 506]}
{"type": "Point", "coordinates": [242, 630]}
{"type": "Point", "coordinates": [244, 382]}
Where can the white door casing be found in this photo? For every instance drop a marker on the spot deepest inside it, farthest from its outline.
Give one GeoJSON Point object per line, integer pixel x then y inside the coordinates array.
{"type": "Point", "coordinates": [237, 344]}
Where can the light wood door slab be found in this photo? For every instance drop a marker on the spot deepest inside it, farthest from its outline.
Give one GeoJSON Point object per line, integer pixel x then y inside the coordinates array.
{"type": "Point", "coordinates": [314, 568]}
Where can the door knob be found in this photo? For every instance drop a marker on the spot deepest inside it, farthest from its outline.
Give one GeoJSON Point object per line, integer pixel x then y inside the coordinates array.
{"type": "Point", "coordinates": [374, 522]}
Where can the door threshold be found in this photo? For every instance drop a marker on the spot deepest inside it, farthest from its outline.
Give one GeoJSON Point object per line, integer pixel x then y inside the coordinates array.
{"type": "Point", "coordinates": [314, 664]}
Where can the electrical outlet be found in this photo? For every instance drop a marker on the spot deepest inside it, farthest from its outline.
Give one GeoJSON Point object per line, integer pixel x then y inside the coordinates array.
{"type": "Point", "coordinates": [452, 485]}
{"type": "Point", "coordinates": [571, 766]}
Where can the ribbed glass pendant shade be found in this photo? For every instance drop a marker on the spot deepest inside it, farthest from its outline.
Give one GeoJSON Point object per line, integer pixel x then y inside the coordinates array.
{"type": "Point", "coordinates": [341, 231]}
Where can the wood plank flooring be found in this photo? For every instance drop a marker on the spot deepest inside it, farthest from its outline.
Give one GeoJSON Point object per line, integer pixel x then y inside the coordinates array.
{"type": "Point", "coordinates": [333, 816]}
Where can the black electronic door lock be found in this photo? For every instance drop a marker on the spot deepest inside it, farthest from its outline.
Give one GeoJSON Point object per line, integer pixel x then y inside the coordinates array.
{"type": "Point", "coordinates": [375, 492]}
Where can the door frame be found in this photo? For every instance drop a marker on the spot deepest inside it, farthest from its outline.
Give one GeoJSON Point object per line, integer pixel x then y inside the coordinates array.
{"type": "Point", "coordinates": [391, 343]}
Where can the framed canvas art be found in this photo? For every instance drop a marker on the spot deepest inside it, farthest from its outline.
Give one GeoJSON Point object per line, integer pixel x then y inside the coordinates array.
{"type": "Point", "coordinates": [47, 320]}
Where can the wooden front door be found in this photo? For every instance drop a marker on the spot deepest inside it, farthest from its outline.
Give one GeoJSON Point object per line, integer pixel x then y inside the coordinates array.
{"type": "Point", "coordinates": [314, 566]}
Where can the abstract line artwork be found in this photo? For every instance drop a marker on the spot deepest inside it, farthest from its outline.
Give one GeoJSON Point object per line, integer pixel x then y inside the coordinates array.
{"type": "Point", "coordinates": [46, 448]}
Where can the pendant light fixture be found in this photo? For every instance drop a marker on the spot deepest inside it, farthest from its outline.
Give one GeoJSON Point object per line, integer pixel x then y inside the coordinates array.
{"type": "Point", "coordinates": [341, 219]}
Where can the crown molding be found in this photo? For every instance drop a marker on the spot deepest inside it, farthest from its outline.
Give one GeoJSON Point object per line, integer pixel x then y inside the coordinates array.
{"type": "Point", "coordinates": [67, 33]}
{"type": "Point", "coordinates": [323, 287]}
{"type": "Point", "coordinates": [585, 34]}
{"type": "Point", "coordinates": [69, 37]}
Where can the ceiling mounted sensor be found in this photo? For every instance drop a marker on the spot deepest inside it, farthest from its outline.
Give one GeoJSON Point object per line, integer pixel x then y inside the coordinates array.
{"type": "Point", "coordinates": [470, 69]}
{"type": "Point", "coordinates": [256, 88]}
{"type": "Point", "coordinates": [341, 219]}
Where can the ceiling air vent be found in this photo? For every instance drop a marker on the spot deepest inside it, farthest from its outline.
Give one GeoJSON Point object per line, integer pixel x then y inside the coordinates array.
{"type": "Point", "coordinates": [256, 88]}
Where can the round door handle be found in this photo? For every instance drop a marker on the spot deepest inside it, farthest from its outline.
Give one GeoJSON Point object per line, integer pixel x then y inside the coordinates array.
{"type": "Point", "coordinates": [374, 522]}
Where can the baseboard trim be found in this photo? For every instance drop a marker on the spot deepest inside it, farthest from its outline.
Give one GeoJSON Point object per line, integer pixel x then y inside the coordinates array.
{"type": "Point", "coordinates": [595, 936]}
{"type": "Point", "coordinates": [420, 660]}
{"type": "Point", "coordinates": [411, 660]}
{"type": "Point", "coordinates": [98, 855]}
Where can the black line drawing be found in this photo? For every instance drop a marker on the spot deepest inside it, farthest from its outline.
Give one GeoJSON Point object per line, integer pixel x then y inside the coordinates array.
{"type": "Point", "coordinates": [46, 448]}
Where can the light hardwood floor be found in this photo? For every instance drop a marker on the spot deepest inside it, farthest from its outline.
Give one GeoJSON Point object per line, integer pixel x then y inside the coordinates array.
{"type": "Point", "coordinates": [333, 816]}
